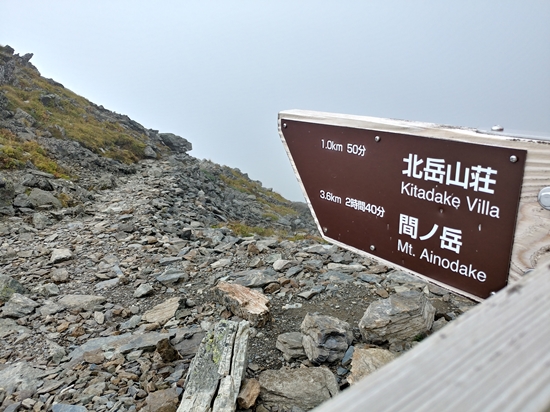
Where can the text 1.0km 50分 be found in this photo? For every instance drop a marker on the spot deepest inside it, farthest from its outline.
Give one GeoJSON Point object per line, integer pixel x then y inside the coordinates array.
{"type": "Point", "coordinates": [351, 148]}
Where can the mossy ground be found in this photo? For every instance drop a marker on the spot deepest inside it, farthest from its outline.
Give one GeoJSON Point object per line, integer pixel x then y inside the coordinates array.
{"type": "Point", "coordinates": [14, 154]}
{"type": "Point", "coordinates": [67, 116]}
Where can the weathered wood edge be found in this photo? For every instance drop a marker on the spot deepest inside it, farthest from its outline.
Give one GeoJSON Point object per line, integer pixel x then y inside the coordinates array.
{"type": "Point", "coordinates": [216, 372]}
{"type": "Point", "coordinates": [532, 236]}
{"type": "Point", "coordinates": [493, 358]}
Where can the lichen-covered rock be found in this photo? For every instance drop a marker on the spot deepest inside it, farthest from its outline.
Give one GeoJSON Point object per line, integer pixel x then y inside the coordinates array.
{"type": "Point", "coordinates": [9, 286]}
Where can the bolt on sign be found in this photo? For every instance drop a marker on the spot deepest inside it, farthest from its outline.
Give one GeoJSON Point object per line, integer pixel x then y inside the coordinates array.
{"type": "Point", "coordinates": [441, 208]}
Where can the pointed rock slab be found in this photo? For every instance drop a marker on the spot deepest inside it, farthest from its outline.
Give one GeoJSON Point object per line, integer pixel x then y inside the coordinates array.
{"type": "Point", "coordinates": [124, 343]}
{"type": "Point", "coordinates": [282, 264]}
{"type": "Point", "coordinates": [83, 302]}
{"type": "Point", "coordinates": [255, 278]}
{"type": "Point", "coordinates": [401, 317]}
{"type": "Point", "coordinates": [163, 312]}
{"type": "Point", "coordinates": [23, 378]}
{"type": "Point", "coordinates": [19, 306]}
{"type": "Point", "coordinates": [304, 388]}
{"type": "Point", "coordinates": [187, 341]}
{"type": "Point", "coordinates": [325, 338]}
{"type": "Point", "coordinates": [143, 290]}
{"type": "Point", "coordinates": [244, 302]}
{"type": "Point", "coordinates": [216, 372]}
{"type": "Point", "coordinates": [171, 276]}
{"type": "Point", "coordinates": [60, 255]}
{"type": "Point", "coordinates": [366, 360]}
{"type": "Point", "coordinates": [99, 344]}
{"type": "Point", "coordinates": [147, 342]}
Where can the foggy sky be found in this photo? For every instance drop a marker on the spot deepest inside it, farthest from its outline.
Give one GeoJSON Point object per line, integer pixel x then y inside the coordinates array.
{"type": "Point", "coordinates": [218, 72]}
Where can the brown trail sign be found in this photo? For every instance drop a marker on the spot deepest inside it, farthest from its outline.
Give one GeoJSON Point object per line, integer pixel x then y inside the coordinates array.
{"type": "Point", "coordinates": [438, 201]}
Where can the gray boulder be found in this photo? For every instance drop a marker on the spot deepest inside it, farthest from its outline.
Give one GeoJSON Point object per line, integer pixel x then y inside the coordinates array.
{"type": "Point", "coordinates": [403, 316]}
{"type": "Point", "coordinates": [22, 200]}
{"type": "Point", "coordinates": [39, 197]}
{"type": "Point", "coordinates": [291, 345]}
{"type": "Point", "coordinates": [325, 338]}
{"type": "Point", "coordinates": [60, 255]}
{"type": "Point", "coordinates": [149, 152]}
{"type": "Point", "coordinates": [176, 143]}
{"type": "Point", "coordinates": [19, 306]}
{"type": "Point", "coordinates": [304, 388]}
{"type": "Point", "coordinates": [40, 182]}
{"type": "Point", "coordinates": [41, 221]}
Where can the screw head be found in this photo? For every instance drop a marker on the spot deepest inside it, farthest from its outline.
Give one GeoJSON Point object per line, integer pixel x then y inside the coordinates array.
{"type": "Point", "coordinates": [544, 198]}
{"type": "Point", "coordinates": [325, 230]}
{"type": "Point", "coordinates": [284, 125]}
{"type": "Point", "coordinates": [513, 159]}
{"type": "Point", "coordinates": [372, 247]}
{"type": "Point", "coordinates": [497, 128]}
{"type": "Point", "coordinates": [377, 139]}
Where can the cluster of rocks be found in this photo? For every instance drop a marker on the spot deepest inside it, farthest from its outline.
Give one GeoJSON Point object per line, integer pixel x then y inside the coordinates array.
{"type": "Point", "coordinates": [90, 298]}
{"type": "Point", "coordinates": [114, 285]}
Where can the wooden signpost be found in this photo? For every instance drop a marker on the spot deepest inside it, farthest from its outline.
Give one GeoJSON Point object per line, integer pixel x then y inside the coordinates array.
{"type": "Point", "coordinates": [452, 205]}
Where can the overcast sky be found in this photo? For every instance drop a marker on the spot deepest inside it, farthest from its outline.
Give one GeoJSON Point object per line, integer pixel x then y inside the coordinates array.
{"type": "Point", "coordinates": [218, 72]}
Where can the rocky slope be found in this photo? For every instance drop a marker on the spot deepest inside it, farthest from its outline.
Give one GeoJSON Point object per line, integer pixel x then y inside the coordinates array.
{"type": "Point", "coordinates": [115, 261]}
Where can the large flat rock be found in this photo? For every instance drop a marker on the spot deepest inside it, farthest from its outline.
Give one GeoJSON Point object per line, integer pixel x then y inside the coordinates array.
{"type": "Point", "coordinates": [83, 302]}
{"type": "Point", "coordinates": [163, 312]}
{"type": "Point", "coordinates": [366, 360]}
{"type": "Point", "coordinates": [401, 317]}
{"type": "Point", "coordinates": [304, 388]}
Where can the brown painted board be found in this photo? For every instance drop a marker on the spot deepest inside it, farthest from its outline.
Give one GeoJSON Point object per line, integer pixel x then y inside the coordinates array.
{"type": "Point", "coordinates": [440, 207]}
